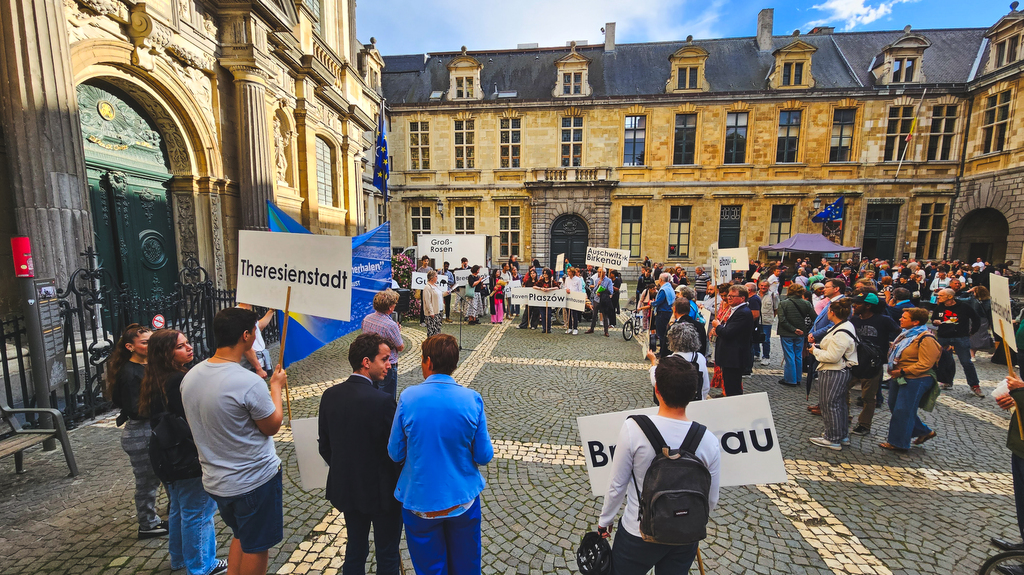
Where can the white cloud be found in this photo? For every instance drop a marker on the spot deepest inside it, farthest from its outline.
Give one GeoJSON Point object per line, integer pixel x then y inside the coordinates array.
{"type": "Point", "coordinates": [416, 26]}
{"type": "Point", "coordinates": [853, 13]}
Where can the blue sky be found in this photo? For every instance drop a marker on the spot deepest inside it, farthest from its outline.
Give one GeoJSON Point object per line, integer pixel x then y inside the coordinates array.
{"type": "Point", "coordinates": [417, 26]}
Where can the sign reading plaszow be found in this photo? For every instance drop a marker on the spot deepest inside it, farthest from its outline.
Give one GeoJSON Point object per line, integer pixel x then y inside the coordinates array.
{"type": "Point", "coordinates": [452, 248]}
{"type": "Point", "coordinates": [743, 425]}
{"type": "Point", "coordinates": [317, 268]}
{"type": "Point", "coordinates": [538, 298]}
{"type": "Point", "coordinates": [607, 258]}
{"type": "Point", "coordinates": [1002, 315]}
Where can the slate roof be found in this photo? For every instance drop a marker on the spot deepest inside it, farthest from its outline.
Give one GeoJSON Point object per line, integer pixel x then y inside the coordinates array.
{"type": "Point", "coordinates": [733, 65]}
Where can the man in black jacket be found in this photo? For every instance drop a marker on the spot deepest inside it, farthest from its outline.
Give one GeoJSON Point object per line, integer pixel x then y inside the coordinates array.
{"type": "Point", "coordinates": [732, 351]}
{"type": "Point", "coordinates": [355, 423]}
{"type": "Point", "coordinates": [956, 323]}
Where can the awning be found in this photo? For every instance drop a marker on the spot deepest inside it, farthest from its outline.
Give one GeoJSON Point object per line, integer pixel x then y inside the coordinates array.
{"type": "Point", "coordinates": [808, 243]}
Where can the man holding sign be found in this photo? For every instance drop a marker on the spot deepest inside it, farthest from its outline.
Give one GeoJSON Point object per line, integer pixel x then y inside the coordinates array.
{"type": "Point", "coordinates": [676, 383]}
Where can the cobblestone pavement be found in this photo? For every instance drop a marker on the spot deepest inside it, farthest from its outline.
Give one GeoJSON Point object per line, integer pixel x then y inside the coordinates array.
{"type": "Point", "coordinates": [860, 510]}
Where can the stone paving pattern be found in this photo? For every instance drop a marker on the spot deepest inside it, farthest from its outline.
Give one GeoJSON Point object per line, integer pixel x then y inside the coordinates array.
{"type": "Point", "coordinates": [861, 510]}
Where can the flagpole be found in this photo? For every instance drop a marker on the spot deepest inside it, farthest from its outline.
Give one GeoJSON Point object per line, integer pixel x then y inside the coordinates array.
{"type": "Point", "coordinates": [913, 126]}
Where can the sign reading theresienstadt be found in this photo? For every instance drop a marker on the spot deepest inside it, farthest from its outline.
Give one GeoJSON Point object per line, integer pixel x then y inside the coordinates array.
{"type": "Point", "coordinates": [318, 269]}
{"type": "Point", "coordinates": [607, 258]}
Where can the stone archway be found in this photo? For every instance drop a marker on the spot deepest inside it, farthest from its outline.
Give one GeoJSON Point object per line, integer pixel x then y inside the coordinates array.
{"type": "Point", "coordinates": [570, 236]}
{"type": "Point", "coordinates": [982, 233]}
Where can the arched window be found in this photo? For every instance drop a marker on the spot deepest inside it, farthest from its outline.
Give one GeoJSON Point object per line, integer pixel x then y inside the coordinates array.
{"type": "Point", "coordinates": [324, 173]}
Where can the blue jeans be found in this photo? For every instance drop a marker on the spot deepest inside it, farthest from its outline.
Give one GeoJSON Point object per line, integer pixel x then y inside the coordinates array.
{"type": "Point", "coordinates": [962, 349]}
{"type": "Point", "coordinates": [632, 555]}
{"type": "Point", "coordinates": [765, 350]}
{"type": "Point", "coordinates": [191, 539]}
{"type": "Point", "coordinates": [444, 546]}
{"type": "Point", "coordinates": [792, 359]}
{"type": "Point", "coordinates": [390, 382]}
{"type": "Point", "coordinates": [903, 403]}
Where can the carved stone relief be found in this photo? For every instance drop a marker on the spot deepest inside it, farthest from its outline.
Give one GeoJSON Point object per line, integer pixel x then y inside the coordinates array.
{"type": "Point", "coordinates": [186, 210]}
{"type": "Point", "coordinates": [282, 150]}
{"type": "Point", "coordinates": [216, 224]}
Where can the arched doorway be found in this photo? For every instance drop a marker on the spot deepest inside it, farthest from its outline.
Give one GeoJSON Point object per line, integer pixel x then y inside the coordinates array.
{"type": "Point", "coordinates": [982, 234]}
{"type": "Point", "coordinates": [128, 172]}
{"type": "Point", "coordinates": [569, 236]}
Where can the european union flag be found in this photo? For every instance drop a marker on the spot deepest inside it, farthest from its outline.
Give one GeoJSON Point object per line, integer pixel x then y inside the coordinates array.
{"type": "Point", "coordinates": [380, 162]}
{"type": "Point", "coordinates": [832, 212]}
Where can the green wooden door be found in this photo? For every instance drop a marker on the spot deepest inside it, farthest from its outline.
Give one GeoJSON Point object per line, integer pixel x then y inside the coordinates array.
{"type": "Point", "coordinates": [128, 172]}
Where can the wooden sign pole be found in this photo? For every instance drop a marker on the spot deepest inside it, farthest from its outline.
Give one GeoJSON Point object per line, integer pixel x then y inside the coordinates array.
{"type": "Point", "coordinates": [1009, 367]}
{"type": "Point", "coordinates": [284, 340]}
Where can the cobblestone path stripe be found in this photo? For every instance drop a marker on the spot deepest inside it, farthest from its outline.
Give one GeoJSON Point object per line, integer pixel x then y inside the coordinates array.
{"type": "Point", "coordinates": [903, 477]}
{"type": "Point", "coordinates": [976, 412]}
{"type": "Point", "coordinates": [568, 363]}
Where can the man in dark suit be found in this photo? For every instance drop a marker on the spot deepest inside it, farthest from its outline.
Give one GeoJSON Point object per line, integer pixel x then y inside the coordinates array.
{"type": "Point", "coordinates": [732, 350]}
{"type": "Point", "coordinates": [355, 423]}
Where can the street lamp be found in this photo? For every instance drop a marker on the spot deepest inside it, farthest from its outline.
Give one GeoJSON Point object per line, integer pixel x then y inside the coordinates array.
{"type": "Point", "coordinates": [816, 203]}
{"type": "Point", "coordinates": [440, 207]}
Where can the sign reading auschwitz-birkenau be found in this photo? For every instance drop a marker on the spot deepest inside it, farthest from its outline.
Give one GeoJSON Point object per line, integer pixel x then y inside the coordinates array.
{"type": "Point", "coordinates": [317, 268]}
{"type": "Point", "coordinates": [608, 258]}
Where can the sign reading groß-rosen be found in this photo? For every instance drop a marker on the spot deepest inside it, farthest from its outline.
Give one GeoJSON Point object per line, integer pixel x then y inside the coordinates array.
{"type": "Point", "coordinates": [317, 268]}
{"type": "Point", "coordinates": [452, 248]}
{"type": "Point", "coordinates": [608, 258]}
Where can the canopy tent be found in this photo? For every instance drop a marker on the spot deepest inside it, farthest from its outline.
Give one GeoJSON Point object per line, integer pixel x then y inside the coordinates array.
{"type": "Point", "coordinates": [808, 243]}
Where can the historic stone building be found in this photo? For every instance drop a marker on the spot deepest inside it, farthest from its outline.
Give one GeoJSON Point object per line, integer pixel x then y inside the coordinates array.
{"type": "Point", "coordinates": [664, 148]}
{"type": "Point", "coordinates": [154, 131]}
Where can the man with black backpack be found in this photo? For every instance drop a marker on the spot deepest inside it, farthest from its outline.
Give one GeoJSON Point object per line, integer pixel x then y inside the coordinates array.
{"type": "Point", "coordinates": [875, 331]}
{"type": "Point", "coordinates": [667, 469]}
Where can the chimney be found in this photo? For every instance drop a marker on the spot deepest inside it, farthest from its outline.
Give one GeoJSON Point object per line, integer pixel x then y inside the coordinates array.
{"type": "Point", "coordinates": [764, 29]}
{"type": "Point", "coordinates": [609, 37]}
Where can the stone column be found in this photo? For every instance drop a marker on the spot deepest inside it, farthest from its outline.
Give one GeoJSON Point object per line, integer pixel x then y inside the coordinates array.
{"type": "Point", "coordinates": [39, 111]}
{"type": "Point", "coordinates": [256, 163]}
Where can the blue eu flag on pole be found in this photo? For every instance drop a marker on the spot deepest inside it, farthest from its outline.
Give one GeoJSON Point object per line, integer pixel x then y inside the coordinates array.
{"type": "Point", "coordinates": [380, 162]}
{"type": "Point", "coordinates": [832, 212]}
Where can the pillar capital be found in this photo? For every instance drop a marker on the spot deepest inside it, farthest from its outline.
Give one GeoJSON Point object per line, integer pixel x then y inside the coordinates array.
{"type": "Point", "coordinates": [248, 72]}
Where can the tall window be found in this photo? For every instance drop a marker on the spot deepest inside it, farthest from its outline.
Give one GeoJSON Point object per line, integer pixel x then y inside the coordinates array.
{"type": "Point", "coordinates": [735, 137]}
{"type": "Point", "coordinates": [940, 142]}
{"type": "Point", "coordinates": [781, 227]}
{"type": "Point", "coordinates": [572, 83]}
{"type": "Point", "coordinates": [465, 156]}
{"type": "Point", "coordinates": [900, 120]}
{"type": "Point", "coordinates": [903, 70]}
{"type": "Point", "coordinates": [679, 232]}
{"type": "Point", "coordinates": [464, 87]}
{"type": "Point", "coordinates": [729, 227]}
{"type": "Point", "coordinates": [380, 212]}
{"type": "Point", "coordinates": [687, 78]}
{"type": "Point", "coordinates": [509, 224]}
{"type": "Point", "coordinates": [419, 145]}
{"type": "Point", "coordinates": [636, 132]}
{"type": "Point", "coordinates": [572, 141]}
{"type": "Point", "coordinates": [510, 136]}
{"type": "Point", "coordinates": [793, 74]}
{"type": "Point", "coordinates": [686, 139]}
{"type": "Point", "coordinates": [842, 135]}
{"type": "Point", "coordinates": [1006, 51]}
{"type": "Point", "coordinates": [997, 119]}
{"type": "Point", "coordinates": [789, 136]}
{"type": "Point", "coordinates": [929, 233]}
{"type": "Point", "coordinates": [324, 173]}
{"type": "Point", "coordinates": [629, 239]}
{"type": "Point", "coordinates": [419, 221]}
{"type": "Point", "coordinates": [465, 220]}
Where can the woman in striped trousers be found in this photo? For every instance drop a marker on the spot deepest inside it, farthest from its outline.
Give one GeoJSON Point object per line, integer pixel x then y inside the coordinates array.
{"type": "Point", "coordinates": [836, 353]}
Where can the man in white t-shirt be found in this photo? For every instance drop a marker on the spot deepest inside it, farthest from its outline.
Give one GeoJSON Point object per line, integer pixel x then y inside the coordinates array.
{"type": "Point", "coordinates": [676, 383]}
{"type": "Point", "coordinates": [257, 359]}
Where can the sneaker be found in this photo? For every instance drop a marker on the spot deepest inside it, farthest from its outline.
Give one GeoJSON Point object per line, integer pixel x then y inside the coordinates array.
{"type": "Point", "coordinates": [575, 332]}
{"type": "Point", "coordinates": [422, 324]}
{"type": "Point", "coordinates": [845, 441]}
{"type": "Point", "coordinates": [765, 361]}
{"type": "Point", "coordinates": [221, 568]}
{"type": "Point", "coordinates": [158, 530]}
{"type": "Point", "coordinates": [860, 430]}
{"type": "Point", "coordinates": [822, 442]}
{"type": "Point", "coordinates": [977, 391]}
{"type": "Point", "coordinates": [945, 385]}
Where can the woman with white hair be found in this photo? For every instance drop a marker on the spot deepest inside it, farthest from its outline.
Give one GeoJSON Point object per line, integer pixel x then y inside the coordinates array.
{"type": "Point", "coordinates": [684, 342]}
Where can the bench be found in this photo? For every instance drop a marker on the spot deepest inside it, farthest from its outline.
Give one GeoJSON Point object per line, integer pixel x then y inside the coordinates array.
{"type": "Point", "coordinates": [21, 439]}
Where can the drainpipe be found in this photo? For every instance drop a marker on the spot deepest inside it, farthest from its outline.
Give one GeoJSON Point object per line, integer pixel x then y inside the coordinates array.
{"type": "Point", "coordinates": [959, 177]}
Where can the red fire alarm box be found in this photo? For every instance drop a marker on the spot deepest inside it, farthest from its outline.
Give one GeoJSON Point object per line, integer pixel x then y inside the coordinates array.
{"type": "Point", "coordinates": [22, 250]}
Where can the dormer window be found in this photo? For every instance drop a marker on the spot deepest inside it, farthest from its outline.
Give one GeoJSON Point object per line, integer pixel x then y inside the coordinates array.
{"type": "Point", "coordinates": [1006, 51]}
{"type": "Point", "coordinates": [1005, 40]}
{"type": "Point", "coordinates": [901, 62]}
{"type": "Point", "coordinates": [464, 78]}
{"type": "Point", "coordinates": [572, 79]}
{"type": "Point", "coordinates": [572, 83]}
{"type": "Point", "coordinates": [687, 66]}
{"type": "Point", "coordinates": [793, 74]}
{"type": "Point", "coordinates": [792, 66]}
{"type": "Point", "coordinates": [903, 70]}
{"type": "Point", "coordinates": [687, 78]}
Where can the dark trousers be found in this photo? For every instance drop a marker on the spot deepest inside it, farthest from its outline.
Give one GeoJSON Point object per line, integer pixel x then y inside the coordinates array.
{"type": "Point", "coordinates": [1017, 465]}
{"type": "Point", "coordinates": [661, 325]}
{"type": "Point", "coordinates": [604, 317]}
{"type": "Point", "coordinates": [544, 315]}
{"type": "Point", "coordinates": [447, 306]}
{"type": "Point", "coordinates": [387, 537]}
{"type": "Point", "coordinates": [390, 382]}
{"type": "Point", "coordinates": [526, 317]}
{"type": "Point", "coordinates": [632, 555]}
{"type": "Point", "coordinates": [574, 319]}
{"type": "Point", "coordinates": [732, 381]}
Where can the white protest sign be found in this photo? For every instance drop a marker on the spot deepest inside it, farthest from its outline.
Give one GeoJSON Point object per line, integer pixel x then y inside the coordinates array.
{"type": "Point", "coordinates": [419, 281]}
{"type": "Point", "coordinates": [312, 467]}
{"type": "Point", "coordinates": [706, 314]}
{"type": "Point", "coordinates": [743, 425]}
{"type": "Point", "coordinates": [539, 298]}
{"type": "Point", "coordinates": [607, 258]}
{"type": "Point", "coordinates": [739, 256]}
{"type": "Point", "coordinates": [576, 300]}
{"type": "Point", "coordinates": [723, 269]}
{"type": "Point", "coordinates": [713, 260]}
{"type": "Point", "coordinates": [1002, 315]}
{"type": "Point", "coordinates": [317, 268]}
{"type": "Point", "coordinates": [560, 263]}
{"type": "Point", "coordinates": [514, 284]}
{"type": "Point", "coordinates": [452, 248]}
{"type": "Point", "coordinates": [461, 276]}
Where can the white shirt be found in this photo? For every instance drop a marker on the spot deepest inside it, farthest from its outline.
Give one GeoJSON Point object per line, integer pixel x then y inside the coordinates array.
{"type": "Point", "coordinates": [634, 455]}
{"type": "Point", "coordinates": [258, 344]}
{"type": "Point", "coordinates": [573, 284]}
{"type": "Point", "coordinates": [702, 365]}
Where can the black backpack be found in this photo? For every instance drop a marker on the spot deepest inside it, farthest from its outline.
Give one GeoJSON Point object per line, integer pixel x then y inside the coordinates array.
{"type": "Point", "coordinates": [870, 359]}
{"type": "Point", "coordinates": [674, 505]}
{"type": "Point", "coordinates": [172, 450]}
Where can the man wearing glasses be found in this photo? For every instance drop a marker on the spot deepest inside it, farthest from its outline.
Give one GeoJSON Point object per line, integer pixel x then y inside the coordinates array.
{"type": "Point", "coordinates": [732, 350]}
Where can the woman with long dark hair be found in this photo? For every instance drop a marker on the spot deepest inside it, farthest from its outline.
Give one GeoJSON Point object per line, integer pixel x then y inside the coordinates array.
{"type": "Point", "coordinates": [192, 541]}
{"type": "Point", "coordinates": [125, 369]}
